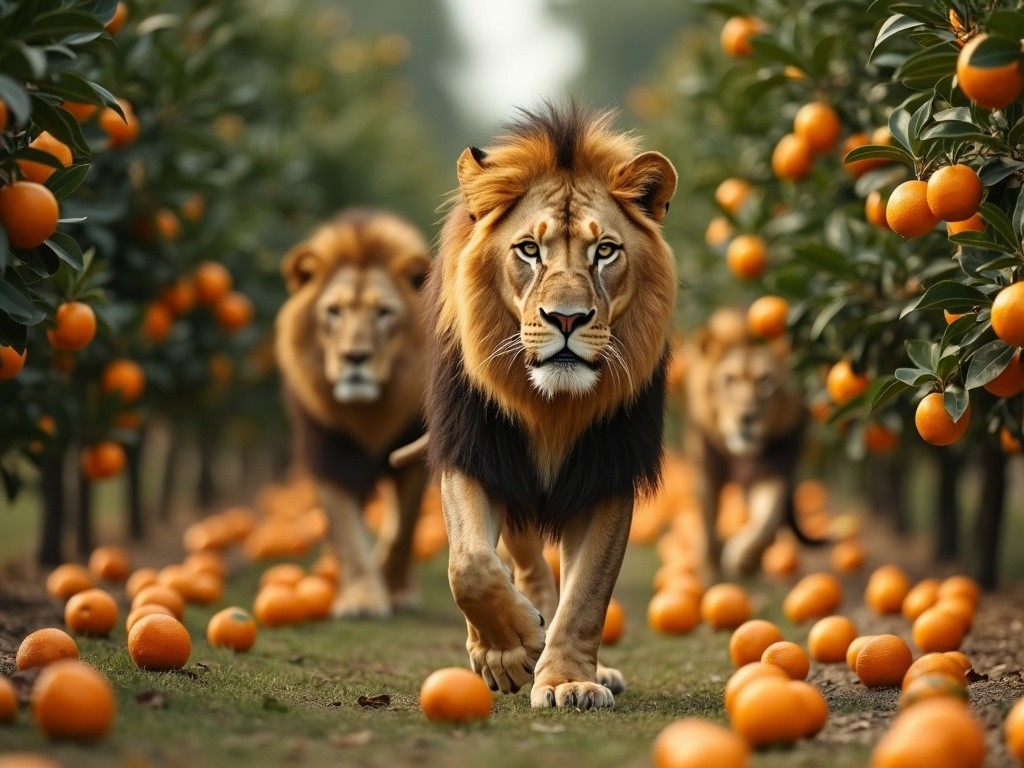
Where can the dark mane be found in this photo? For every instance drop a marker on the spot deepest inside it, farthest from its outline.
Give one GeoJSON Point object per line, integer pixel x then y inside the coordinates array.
{"type": "Point", "coordinates": [562, 127]}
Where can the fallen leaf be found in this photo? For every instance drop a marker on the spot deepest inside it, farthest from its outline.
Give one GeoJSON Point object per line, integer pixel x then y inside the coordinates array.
{"type": "Point", "coordinates": [152, 699]}
{"type": "Point", "coordinates": [347, 740]}
{"type": "Point", "coordinates": [379, 701]}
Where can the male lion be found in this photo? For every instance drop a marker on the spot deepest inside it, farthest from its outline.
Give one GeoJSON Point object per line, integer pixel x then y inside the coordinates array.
{"type": "Point", "coordinates": [350, 348]}
{"type": "Point", "coordinates": [550, 308]}
{"type": "Point", "coordinates": [745, 419]}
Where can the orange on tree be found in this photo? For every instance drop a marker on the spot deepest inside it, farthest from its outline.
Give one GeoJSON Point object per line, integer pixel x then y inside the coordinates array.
{"type": "Point", "coordinates": [11, 362]}
{"type": "Point", "coordinates": [814, 706]}
{"type": "Point", "coordinates": [878, 438]}
{"type": "Point", "coordinates": [455, 695]}
{"type": "Point", "coordinates": [843, 383]}
{"type": "Point", "coordinates": [75, 328]}
{"type": "Point", "coordinates": [768, 711]}
{"type": "Point", "coordinates": [939, 731]}
{"type": "Point", "coordinates": [145, 610]}
{"type": "Point", "coordinates": [883, 660]}
{"type": "Point", "coordinates": [736, 34]}
{"type": "Point", "coordinates": [1008, 314]}
{"type": "Point", "coordinates": [750, 639]}
{"type": "Point", "coordinates": [277, 605]}
{"type": "Point", "coordinates": [193, 207]}
{"type": "Point", "coordinates": [162, 595]}
{"type": "Point", "coordinates": [874, 209]}
{"type": "Point", "coordinates": [316, 594]}
{"type": "Point", "coordinates": [1011, 381]}
{"type": "Point", "coordinates": [126, 378]}
{"type": "Point", "coordinates": [732, 193]}
{"type": "Point", "coordinates": [44, 647]}
{"type": "Point", "coordinates": [887, 587]}
{"type": "Point", "coordinates": [159, 643]}
{"type": "Point", "coordinates": [935, 664]}
{"type": "Point", "coordinates": [168, 226]}
{"type": "Point", "coordinates": [80, 110]}
{"type": "Point", "coordinates": [67, 580]}
{"type": "Point", "coordinates": [102, 460]}
{"type": "Point", "coordinates": [935, 425]}
{"type": "Point", "coordinates": [234, 311]}
{"type": "Point", "coordinates": [1008, 442]}
{"type": "Point", "coordinates": [766, 317]}
{"type": "Point", "coordinates": [718, 232]}
{"type": "Point", "coordinates": [614, 623]}
{"type": "Point", "coordinates": [213, 282]}
{"type": "Point", "coordinates": [71, 700]}
{"type": "Point", "coordinates": [673, 612]}
{"type": "Point", "coordinates": [110, 563]}
{"type": "Point", "coordinates": [938, 630]}
{"type": "Point", "coordinates": [694, 743]}
{"type": "Point", "coordinates": [180, 296]}
{"type": "Point", "coordinates": [28, 212]}
{"type": "Point", "coordinates": [92, 612]}
{"type": "Point", "coordinates": [792, 157]}
{"type": "Point", "coordinates": [989, 87]}
{"type": "Point", "coordinates": [858, 168]}
{"type": "Point", "coordinates": [974, 224]}
{"type": "Point", "coordinates": [830, 638]}
{"type": "Point", "coordinates": [157, 322]}
{"type": "Point", "coordinates": [907, 211]}
{"type": "Point", "coordinates": [919, 599]}
{"type": "Point", "coordinates": [725, 606]}
{"type": "Point", "coordinates": [790, 657]}
{"type": "Point", "coordinates": [120, 131]}
{"type": "Point", "coordinates": [931, 685]}
{"type": "Point", "coordinates": [818, 124]}
{"type": "Point", "coordinates": [747, 256]}
{"type": "Point", "coordinates": [40, 172]}
{"type": "Point", "coordinates": [954, 192]}
{"type": "Point", "coordinates": [1013, 731]}
{"type": "Point", "coordinates": [231, 628]}
{"type": "Point", "coordinates": [848, 555]}
{"type": "Point", "coordinates": [8, 701]}
{"type": "Point", "coordinates": [118, 19]}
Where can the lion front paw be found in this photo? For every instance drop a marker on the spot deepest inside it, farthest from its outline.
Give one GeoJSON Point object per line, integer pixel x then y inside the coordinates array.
{"type": "Point", "coordinates": [507, 664]}
{"type": "Point", "coordinates": [406, 600]}
{"type": "Point", "coordinates": [611, 679]}
{"type": "Point", "coordinates": [364, 597]}
{"type": "Point", "coordinates": [573, 695]}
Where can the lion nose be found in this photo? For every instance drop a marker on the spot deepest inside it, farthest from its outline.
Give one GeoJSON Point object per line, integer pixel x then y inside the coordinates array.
{"type": "Point", "coordinates": [567, 322]}
{"type": "Point", "coordinates": [748, 419]}
{"type": "Point", "coordinates": [356, 358]}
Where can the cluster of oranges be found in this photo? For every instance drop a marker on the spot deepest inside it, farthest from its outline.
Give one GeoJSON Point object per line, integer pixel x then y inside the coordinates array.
{"type": "Point", "coordinates": [288, 595]}
{"type": "Point", "coordinates": [211, 285]}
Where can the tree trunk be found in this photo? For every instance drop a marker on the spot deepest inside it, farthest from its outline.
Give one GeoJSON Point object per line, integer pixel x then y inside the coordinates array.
{"type": "Point", "coordinates": [85, 540]}
{"type": "Point", "coordinates": [207, 486]}
{"type": "Point", "coordinates": [886, 490]}
{"type": "Point", "coordinates": [169, 481]}
{"type": "Point", "coordinates": [989, 522]}
{"type": "Point", "coordinates": [51, 536]}
{"type": "Point", "coordinates": [947, 509]}
{"type": "Point", "coordinates": [133, 490]}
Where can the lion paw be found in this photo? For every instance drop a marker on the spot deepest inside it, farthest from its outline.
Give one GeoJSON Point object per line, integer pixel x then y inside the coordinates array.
{"type": "Point", "coordinates": [507, 667]}
{"type": "Point", "coordinates": [406, 600]}
{"type": "Point", "coordinates": [362, 598]}
{"type": "Point", "coordinates": [575, 695]}
{"type": "Point", "coordinates": [611, 679]}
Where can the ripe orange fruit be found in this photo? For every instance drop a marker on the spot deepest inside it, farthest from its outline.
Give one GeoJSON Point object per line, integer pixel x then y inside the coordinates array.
{"type": "Point", "coordinates": [792, 157]}
{"type": "Point", "coordinates": [769, 711]}
{"type": "Point", "coordinates": [880, 439]}
{"type": "Point", "coordinates": [231, 628]}
{"type": "Point", "coordinates": [28, 212]}
{"type": "Point", "coordinates": [79, 110]}
{"type": "Point", "coordinates": [455, 695]}
{"type": "Point", "coordinates": [858, 168]}
{"type": "Point", "coordinates": [750, 639]}
{"type": "Point", "coordinates": [938, 630]}
{"type": "Point", "coordinates": [718, 232]}
{"type": "Point", "coordinates": [157, 322]}
{"type": "Point", "coordinates": [874, 210]}
{"type": "Point", "coordinates": [935, 664]}
{"type": "Point", "coordinates": [71, 700]}
{"type": "Point", "coordinates": [989, 87]}
{"type": "Point", "coordinates": [781, 558]}
{"type": "Point", "coordinates": [937, 732]}
{"type": "Point", "coordinates": [288, 574]}
{"type": "Point", "coordinates": [39, 172]}
{"type": "Point", "coordinates": [744, 675]}
{"type": "Point", "coordinates": [958, 606]}
{"type": "Point", "coordinates": [76, 327]}
{"type": "Point", "coordinates": [180, 296]}
{"type": "Point", "coordinates": [149, 609]}
{"type": "Point", "coordinates": [960, 658]}
{"type": "Point", "coordinates": [848, 555]}
{"type": "Point", "coordinates": [883, 660]}
{"type": "Point", "coordinates": [316, 595]}
{"type": "Point", "coordinates": [45, 646]}
{"type": "Point", "coordinates": [126, 378]}
{"type": "Point", "coordinates": [830, 638]}
{"type": "Point", "coordinates": [67, 580]}
{"type": "Point", "coordinates": [167, 224]}
{"type": "Point", "coordinates": [766, 317]}
{"type": "Point", "coordinates": [843, 383]}
{"type": "Point", "coordinates": [920, 598]}
{"type": "Point", "coordinates": [1013, 731]}
{"type": "Point", "coordinates": [736, 34]}
{"type": "Point", "coordinates": [935, 426]}
{"type": "Point", "coordinates": [162, 595]}
{"type": "Point", "coordinates": [693, 743]}
{"type": "Point", "coordinates": [954, 192]}
{"type": "Point", "coordinates": [11, 362]}
{"type": "Point", "coordinates": [960, 586]}
{"type": "Point", "coordinates": [118, 19]}
{"type": "Point", "coordinates": [819, 125]}
{"type": "Point", "coordinates": [92, 612]}
{"type": "Point", "coordinates": [732, 193]}
{"type": "Point", "coordinates": [234, 311]}
{"type": "Point", "coordinates": [887, 588]}
{"type": "Point", "coordinates": [328, 567]}
{"type": "Point", "coordinates": [1011, 381]}
{"type": "Point", "coordinates": [193, 207]}
{"type": "Point", "coordinates": [213, 282]}
{"type": "Point", "coordinates": [673, 612]}
{"type": "Point", "coordinates": [725, 606]}
{"type": "Point", "coordinates": [1008, 442]}
{"type": "Point", "coordinates": [907, 211]}
{"type": "Point", "coordinates": [120, 132]}
{"type": "Point", "coordinates": [790, 657]}
{"type": "Point", "coordinates": [974, 224]}
{"type": "Point", "coordinates": [206, 562]}
{"type": "Point", "coordinates": [747, 256]}
{"type": "Point", "coordinates": [1008, 314]}
{"type": "Point", "coordinates": [103, 460]}
{"type": "Point", "coordinates": [277, 605]}
{"type": "Point", "coordinates": [159, 643]}
{"type": "Point", "coordinates": [928, 686]}
{"type": "Point", "coordinates": [8, 701]}
{"type": "Point", "coordinates": [614, 623]}
{"type": "Point", "coordinates": [854, 650]}
{"type": "Point", "coordinates": [815, 595]}
{"type": "Point", "coordinates": [109, 563]}
{"type": "Point", "coordinates": [814, 705]}
{"type": "Point", "coordinates": [143, 577]}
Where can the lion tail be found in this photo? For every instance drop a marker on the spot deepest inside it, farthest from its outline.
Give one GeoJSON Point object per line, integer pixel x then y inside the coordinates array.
{"type": "Point", "coordinates": [407, 454]}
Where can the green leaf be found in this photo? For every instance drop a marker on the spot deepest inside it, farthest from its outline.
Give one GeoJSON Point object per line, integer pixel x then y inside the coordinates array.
{"type": "Point", "coordinates": [16, 300]}
{"type": "Point", "coordinates": [893, 26]}
{"type": "Point", "coordinates": [824, 259]}
{"type": "Point", "coordinates": [980, 240]}
{"type": "Point", "coordinates": [995, 51]}
{"type": "Point", "coordinates": [60, 124]}
{"type": "Point", "coordinates": [1001, 225]}
{"type": "Point", "coordinates": [917, 123]}
{"type": "Point", "coordinates": [884, 389]}
{"type": "Point", "coordinates": [951, 295]}
{"type": "Point", "coordinates": [65, 181]}
{"type": "Point", "coordinates": [1008, 24]}
{"type": "Point", "coordinates": [915, 377]}
{"type": "Point", "coordinates": [954, 129]}
{"type": "Point", "coordinates": [987, 363]}
{"type": "Point", "coordinates": [768, 49]}
{"type": "Point", "coordinates": [67, 250]}
{"type": "Point", "coordinates": [893, 154]}
{"type": "Point", "coordinates": [998, 169]}
{"type": "Point", "coordinates": [16, 98]}
{"type": "Point", "coordinates": [899, 127]}
{"type": "Point", "coordinates": [922, 353]}
{"type": "Point", "coordinates": [963, 331]}
{"type": "Point", "coordinates": [955, 400]}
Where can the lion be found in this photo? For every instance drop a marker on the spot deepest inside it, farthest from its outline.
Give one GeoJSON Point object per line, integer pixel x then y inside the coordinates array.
{"type": "Point", "coordinates": [350, 348]}
{"type": "Point", "coordinates": [549, 320]}
{"type": "Point", "coordinates": [745, 420]}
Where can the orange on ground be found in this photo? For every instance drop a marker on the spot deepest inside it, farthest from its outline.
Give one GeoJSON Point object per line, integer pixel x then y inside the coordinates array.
{"type": "Point", "coordinates": [937, 630]}
{"type": "Point", "coordinates": [455, 695]}
{"type": "Point", "coordinates": [289, 574]}
{"type": "Point", "coordinates": [830, 638]}
{"type": "Point", "coordinates": [143, 577]}
{"type": "Point", "coordinates": [1008, 314]}
{"type": "Point", "coordinates": [790, 657]}
{"type": "Point", "coordinates": [847, 556]}
{"type": "Point", "coordinates": [883, 661]}
{"type": "Point", "coordinates": [819, 125]}
{"type": "Point", "coordinates": [792, 157]}
{"type": "Point", "coordinates": [744, 675]}
{"type": "Point", "coordinates": [118, 19]}
{"type": "Point", "coordinates": [327, 566]}
{"type": "Point", "coordinates": [126, 378]}
{"type": "Point", "coordinates": [934, 424]}
{"type": "Point", "coordinates": [110, 563]}
{"type": "Point", "coordinates": [71, 700]}
{"type": "Point", "coordinates": [80, 110]}
{"type": "Point", "coordinates": [120, 131]}
{"type": "Point", "coordinates": [907, 211]}
{"type": "Point", "coordinates": [919, 599]}
{"type": "Point", "coordinates": [8, 701]}
{"type": "Point", "coordinates": [750, 639]}
{"type": "Point", "coordinates": [781, 558]}
{"type": "Point", "coordinates": [960, 658]}
{"type": "Point", "coordinates": [149, 609]}
{"type": "Point", "coordinates": [732, 193]}
{"type": "Point", "coordinates": [316, 594]}
{"type": "Point", "coordinates": [693, 743]}
{"type": "Point", "coordinates": [858, 168]}
{"type": "Point", "coordinates": [159, 643]}
{"type": "Point", "coordinates": [40, 172]}
{"type": "Point", "coordinates": [958, 606]}
{"type": "Point", "coordinates": [962, 586]}
{"type": "Point", "coordinates": [725, 606]}
{"type": "Point", "coordinates": [92, 612]}
{"type": "Point", "coordinates": [854, 650]}
{"type": "Point", "coordinates": [769, 711]}
{"type": "Point", "coordinates": [954, 192]}
{"type": "Point", "coordinates": [673, 612]}
{"type": "Point", "coordinates": [815, 595]}
{"type": "Point", "coordinates": [103, 460]}
{"type": "Point", "coordinates": [880, 439]}
{"type": "Point", "coordinates": [67, 580]}
{"type": "Point", "coordinates": [935, 664]}
{"type": "Point", "coordinates": [938, 732]}
{"type": "Point", "coordinates": [736, 34]}
{"type": "Point", "coordinates": [814, 705]}
{"type": "Point", "coordinates": [747, 256]}
{"type": "Point", "coordinates": [887, 587]}
{"type": "Point", "coordinates": [45, 646]}
{"type": "Point", "coordinates": [718, 232]}
{"type": "Point", "coordinates": [206, 562]}
{"type": "Point", "coordinates": [989, 87]}
{"type": "Point", "coordinates": [232, 628]}
{"type": "Point", "coordinates": [930, 685]}
{"type": "Point", "coordinates": [75, 328]}
{"type": "Point", "coordinates": [843, 383]}
{"type": "Point", "coordinates": [277, 605]}
{"type": "Point", "coordinates": [234, 311]}
{"type": "Point", "coordinates": [28, 212]}
{"type": "Point", "coordinates": [1013, 731]}
{"type": "Point", "coordinates": [213, 282]}
{"type": "Point", "coordinates": [614, 623]}
{"type": "Point", "coordinates": [162, 595]}
{"type": "Point", "coordinates": [974, 224]}
{"type": "Point", "coordinates": [11, 362]}
{"type": "Point", "coordinates": [766, 317]}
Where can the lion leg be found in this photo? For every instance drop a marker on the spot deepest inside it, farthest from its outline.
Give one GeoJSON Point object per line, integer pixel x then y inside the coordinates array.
{"type": "Point", "coordinates": [593, 546]}
{"type": "Point", "coordinates": [395, 544]}
{"type": "Point", "coordinates": [767, 499]}
{"type": "Point", "coordinates": [531, 572]}
{"type": "Point", "coordinates": [711, 483]}
{"type": "Point", "coordinates": [362, 589]}
{"type": "Point", "coordinates": [506, 633]}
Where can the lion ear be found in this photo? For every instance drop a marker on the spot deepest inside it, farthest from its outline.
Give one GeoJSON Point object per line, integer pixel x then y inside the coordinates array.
{"type": "Point", "coordinates": [469, 168]}
{"type": "Point", "coordinates": [414, 269]}
{"type": "Point", "coordinates": [299, 266]}
{"type": "Point", "coordinates": [649, 181]}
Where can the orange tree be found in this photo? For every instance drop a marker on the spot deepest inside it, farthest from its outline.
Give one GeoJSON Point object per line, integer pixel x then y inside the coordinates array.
{"type": "Point", "coordinates": [831, 141]}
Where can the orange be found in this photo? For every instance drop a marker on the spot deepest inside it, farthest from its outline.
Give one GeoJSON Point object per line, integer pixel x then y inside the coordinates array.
{"type": "Point", "coordinates": [124, 377]}
{"type": "Point", "coordinates": [792, 157]}
{"type": "Point", "coordinates": [718, 232]}
{"type": "Point", "coordinates": [974, 224]}
{"type": "Point", "coordinates": [213, 282]}
{"type": "Point", "coordinates": [830, 639]}
{"type": "Point", "coordinates": [11, 362]}
{"type": "Point", "coordinates": [614, 623]}
{"type": "Point", "coordinates": [28, 212]}
{"type": "Point", "coordinates": [1013, 731]}
{"type": "Point", "coordinates": [120, 131]}
{"type": "Point", "coordinates": [1008, 442]}
{"type": "Point", "coordinates": [854, 650]}
{"type": "Point", "coordinates": [149, 609]}
{"type": "Point", "coordinates": [781, 558]}
{"type": "Point", "coordinates": [815, 595]}
{"type": "Point", "coordinates": [673, 613]}
{"type": "Point", "coordinates": [328, 567]}
{"type": "Point", "coordinates": [934, 424]}
{"type": "Point", "coordinates": [847, 556]}
{"type": "Point", "coordinates": [180, 296]}
{"type": "Point", "coordinates": [159, 643]}
{"type": "Point", "coordinates": [231, 628]}
{"type": "Point", "coordinates": [71, 700]}
{"type": "Point", "coordinates": [844, 384]}
{"type": "Point", "coordinates": [316, 594]}
{"type": "Point", "coordinates": [75, 328]}
{"type": "Point", "coordinates": [206, 562]}
{"type": "Point", "coordinates": [989, 87]}
{"type": "Point", "coordinates": [954, 192]}
{"type": "Point", "coordinates": [958, 606]}
{"type": "Point", "coordinates": [288, 574]}
{"type": "Point", "coordinates": [938, 630]}
{"type": "Point", "coordinates": [747, 256]}
{"type": "Point", "coordinates": [960, 586]}
{"type": "Point", "coordinates": [736, 34]}
{"type": "Point", "coordinates": [128, 420]}
{"type": "Point", "coordinates": [790, 657]}
{"type": "Point", "coordinates": [766, 317]}
{"type": "Point", "coordinates": [874, 210]}
{"type": "Point", "coordinates": [167, 224]}
{"type": "Point", "coordinates": [455, 695]}
{"type": "Point", "coordinates": [680, 582]}
{"type": "Point", "coordinates": [907, 211]}
{"type": "Point", "coordinates": [161, 595]}
{"type": "Point", "coordinates": [750, 639]}
{"type": "Point", "coordinates": [819, 125]}
{"type": "Point", "coordinates": [8, 701]}
{"type": "Point", "coordinates": [103, 460]}
{"type": "Point", "coordinates": [110, 563]}
{"type": "Point", "coordinates": [961, 659]}
{"type": "Point", "coordinates": [67, 580]}
{"type": "Point", "coordinates": [45, 646]}
{"type": "Point", "coordinates": [814, 706]}
{"type": "Point", "coordinates": [883, 661]}
{"type": "Point", "coordinates": [880, 439]}
{"type": "Point", "coordinates": [693, 743]}
{"type": "Point", "coordinates": [157, 322]}
{"type": "Point", "coordinates": [92, 612]}
{"type": "Point", "coordinates": [769, 711]}
{"type": "Point", "coordinates": [234, 311]}
{"type": "Point", "coordinates": [193, 207]}
{"type": "Point", "coordinates": [935, 664]}
{"type": "Point", "coordinates": [858, 168]}
{"type": "Point", "coordinates": [936, 733]}
{"type": "Point", "coordinates": [1008, 314]}
{"type": "Point", "coordinates": [79, 110]}
{"type": "Point", "coordinates": [887, 587]}
{"type": "Point", "coordinates": [118, 19]}
{"type": "Point", "coordinates": [930, 685]}
{"type": "Point", "coordinates": [39, 172]}
{"type": "Point", "coordinates": [920, 598]}
{"type": "Point", "coordinates": [277, 605]}
{"type": "Point", "coordinates": [743, 676]}
{"type": "Point", "coordinates": [1011, 381]}
{"type": "Point", "coordinates": [732, 193]}
{"type": "Point", "coordinates": [725, 606]}
{"type": "Point", "coordinates": [143, 577]}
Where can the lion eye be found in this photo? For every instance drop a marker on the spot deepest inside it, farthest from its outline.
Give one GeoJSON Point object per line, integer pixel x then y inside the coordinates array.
{"type": "Point", "coordinates": [606, 250]}
{"type": "Point", "coordinates": [384, 312]}
{"type": "Point", "coordinates": [334, 310]}
{"type": "Point", "coordinates": [528, 250]}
